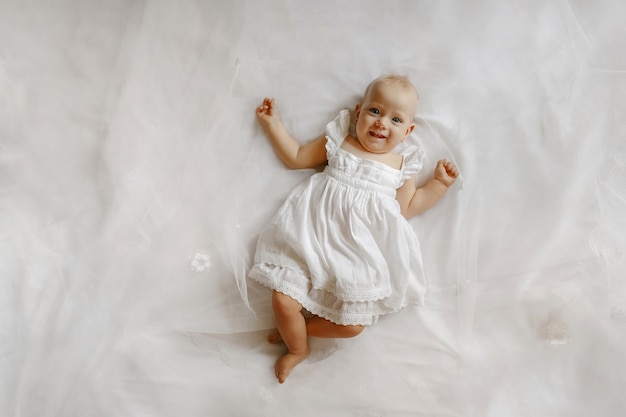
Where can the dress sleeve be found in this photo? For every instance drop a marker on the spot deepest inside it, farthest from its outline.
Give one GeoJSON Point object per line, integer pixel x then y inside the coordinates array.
{"type": "Point", "coordinates": [413, 162]}
{"type": "Point", "coordinates": [336, 132]}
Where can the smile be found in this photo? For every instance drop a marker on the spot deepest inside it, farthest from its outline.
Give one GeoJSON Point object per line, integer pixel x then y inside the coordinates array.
{"type": "Point", "coordinates": [376, 135]}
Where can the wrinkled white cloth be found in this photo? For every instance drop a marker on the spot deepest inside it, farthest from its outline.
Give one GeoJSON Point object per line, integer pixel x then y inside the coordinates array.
{"type": "Point", "coordinates": [135, 180]}
{"type": "Point", "coordinates": [339, 244]}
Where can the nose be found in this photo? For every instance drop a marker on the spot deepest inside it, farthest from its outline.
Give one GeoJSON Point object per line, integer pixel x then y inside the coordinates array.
{"type": "Point", "coordinates": [379, 124]}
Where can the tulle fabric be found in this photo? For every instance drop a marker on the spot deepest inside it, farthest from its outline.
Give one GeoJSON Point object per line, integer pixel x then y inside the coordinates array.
{"type": "Point", "coordinates": [134, 181]}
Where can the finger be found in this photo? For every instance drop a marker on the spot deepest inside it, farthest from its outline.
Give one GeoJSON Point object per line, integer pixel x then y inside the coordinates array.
{"type": "Point", "coordinates": [263, 108]}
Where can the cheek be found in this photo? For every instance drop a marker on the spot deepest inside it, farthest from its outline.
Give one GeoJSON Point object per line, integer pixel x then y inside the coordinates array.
{"type": "Point", "coordinates": [399, 131]}
{"type": "Point", "coordinates": [361, 123]}
{"type": "Point", "coordinates": [366, 120]}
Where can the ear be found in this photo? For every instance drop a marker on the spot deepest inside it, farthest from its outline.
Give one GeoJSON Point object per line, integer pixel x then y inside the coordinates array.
{"type": "Point", "coordinates": [357, 112]}
{"type": "Point", "coordinates": [409, 130]}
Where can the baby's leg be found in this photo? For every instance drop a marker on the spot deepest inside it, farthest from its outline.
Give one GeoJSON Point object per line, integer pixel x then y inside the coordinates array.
{"type": "Point", "coordinates": [274, 337]}
{"type": "Point", "coordinates": [292, 329]}
{"type": "Point", "coordinates": [320, 327]}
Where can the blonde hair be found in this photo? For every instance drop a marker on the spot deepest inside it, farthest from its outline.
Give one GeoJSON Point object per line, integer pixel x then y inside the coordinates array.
{"type": "Point", "coordinates": [392, 78]}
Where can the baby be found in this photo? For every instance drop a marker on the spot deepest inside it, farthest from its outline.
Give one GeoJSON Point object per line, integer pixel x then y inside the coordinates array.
{"type": "Point", "coordinates": [340, 252]}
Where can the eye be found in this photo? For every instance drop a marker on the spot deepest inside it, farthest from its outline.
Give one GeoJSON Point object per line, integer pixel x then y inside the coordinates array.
{"type": "Point", "coordinates": [397, 120]}
{"type": "Point", "coordinates": [374, 110]}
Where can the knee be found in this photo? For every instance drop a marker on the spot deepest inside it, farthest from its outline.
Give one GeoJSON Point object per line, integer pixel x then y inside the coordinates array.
{"type": "Point", "coordinates": [284, 303]}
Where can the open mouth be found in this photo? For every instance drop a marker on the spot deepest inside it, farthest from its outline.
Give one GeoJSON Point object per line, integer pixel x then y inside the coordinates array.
{"type": "Point", "coordinates": [377, 135]}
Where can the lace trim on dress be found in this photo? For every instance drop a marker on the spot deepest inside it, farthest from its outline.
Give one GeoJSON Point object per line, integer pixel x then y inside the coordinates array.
{"type": "Point", "coordinates": [335, 310]}
{"type": "Point", "coordinates": [296, 277]}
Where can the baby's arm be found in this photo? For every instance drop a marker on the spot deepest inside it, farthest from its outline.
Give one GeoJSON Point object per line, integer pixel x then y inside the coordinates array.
{"type": "Point", "coordinates": [414, 201]}
{"type": "Point", "coordinates": [288, 149]}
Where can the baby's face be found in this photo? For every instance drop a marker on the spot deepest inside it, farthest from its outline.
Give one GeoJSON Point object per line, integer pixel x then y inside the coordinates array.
{"type": "Point", "coordinates": [385, 117]}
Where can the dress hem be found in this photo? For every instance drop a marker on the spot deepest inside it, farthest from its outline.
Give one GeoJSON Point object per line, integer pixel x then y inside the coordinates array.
{"type": "Point", "coordinates": [338, 317]}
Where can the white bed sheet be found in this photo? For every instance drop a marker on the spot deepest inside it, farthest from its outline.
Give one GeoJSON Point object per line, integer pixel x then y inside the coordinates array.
{"type": "Point", "coordinates": [134, 180]}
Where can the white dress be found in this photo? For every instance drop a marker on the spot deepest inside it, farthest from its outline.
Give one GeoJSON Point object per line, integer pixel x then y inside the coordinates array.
{"type": "Point", "coordinates": [339, 244]}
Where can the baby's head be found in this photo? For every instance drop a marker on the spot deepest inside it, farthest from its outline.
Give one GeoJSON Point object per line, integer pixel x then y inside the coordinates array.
{"type": "Point", "coordinates": [385, 115]}
{"type": "Point", "coordinates": [400, 86]}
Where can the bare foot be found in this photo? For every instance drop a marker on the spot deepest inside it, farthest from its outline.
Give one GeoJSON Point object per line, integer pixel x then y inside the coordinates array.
{"type": "Point", "coordinates": [274, 337]}
{"type": "Point", "coordinates": [285, 364]}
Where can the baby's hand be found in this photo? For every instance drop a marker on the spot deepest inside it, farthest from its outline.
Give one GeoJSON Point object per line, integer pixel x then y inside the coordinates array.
{"type": "Point", "coordinates": [446, 172]}
{"type": "Point", "coordinates": [267, 112]}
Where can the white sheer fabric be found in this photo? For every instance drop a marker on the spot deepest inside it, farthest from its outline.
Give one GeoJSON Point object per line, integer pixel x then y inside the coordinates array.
{"type": "Point", "coordinates": [135, 179]}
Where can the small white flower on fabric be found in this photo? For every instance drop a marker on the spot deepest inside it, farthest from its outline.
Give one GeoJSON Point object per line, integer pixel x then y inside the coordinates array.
{"type": "Point", "coordinates": [201, 262]}
{"type": "Point", "coordinates": [556, 333]}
